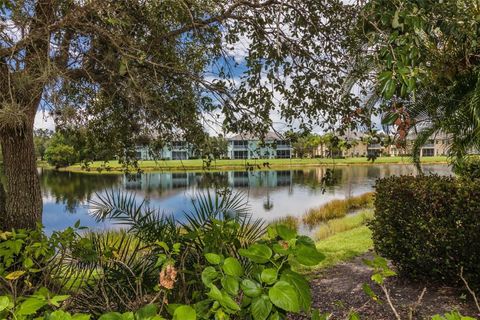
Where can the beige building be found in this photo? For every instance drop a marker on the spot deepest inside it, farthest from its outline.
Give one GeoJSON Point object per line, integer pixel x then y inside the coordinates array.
{"type": "Point", "coordinates": [437, 145]}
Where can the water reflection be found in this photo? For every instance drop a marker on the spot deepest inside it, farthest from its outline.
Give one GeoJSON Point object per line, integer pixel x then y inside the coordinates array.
{"type": "Point", "coordinates": [272, 194]}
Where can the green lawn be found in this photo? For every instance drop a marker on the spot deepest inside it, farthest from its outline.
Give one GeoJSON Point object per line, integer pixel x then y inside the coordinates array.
{"type": "Point", "coordinates": [176, 165]}
{"type": "Point", "coordinates": [340, 247]}
{"type": "Point", "coordinates": [345, 246]}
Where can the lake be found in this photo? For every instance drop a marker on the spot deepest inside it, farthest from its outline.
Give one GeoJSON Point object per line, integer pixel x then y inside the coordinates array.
{"type": "Point", "coordinates": [271, 194]}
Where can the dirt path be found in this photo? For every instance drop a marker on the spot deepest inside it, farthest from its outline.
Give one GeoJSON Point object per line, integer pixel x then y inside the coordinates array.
{"type": "Point", "coordinates": [339, 289]}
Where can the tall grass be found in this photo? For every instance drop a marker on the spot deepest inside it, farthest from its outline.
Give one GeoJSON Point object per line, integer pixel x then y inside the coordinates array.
{"type": "Point", "coordinates": [291, 221]}
{"type": "Point", "coordinates": [337, 209]}
{"type": "Point", "coordinates": [335, 226]}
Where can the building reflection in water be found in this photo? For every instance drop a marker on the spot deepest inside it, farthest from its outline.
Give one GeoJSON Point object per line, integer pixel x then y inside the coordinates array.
{"type": "Point", "coordinates": [271, 194]}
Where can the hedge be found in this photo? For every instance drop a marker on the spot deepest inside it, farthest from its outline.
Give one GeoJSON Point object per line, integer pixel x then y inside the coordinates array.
{"type": "Point", "coordinates": [429, 226]}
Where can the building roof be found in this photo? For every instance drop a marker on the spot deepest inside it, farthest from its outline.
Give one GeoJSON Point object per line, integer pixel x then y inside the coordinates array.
{"type": "Point", "coordinates": [252, 137]}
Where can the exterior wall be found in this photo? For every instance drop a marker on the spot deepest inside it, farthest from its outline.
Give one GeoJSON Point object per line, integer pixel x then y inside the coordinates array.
{"type": "Point", "coordinates": [181, 151]}
{"type": "Point", "coordinates": [358, 149]}
{"type": "Point", "coordinates": [434, 147]}
{"type": "Point", "coordinates": [254, 149]}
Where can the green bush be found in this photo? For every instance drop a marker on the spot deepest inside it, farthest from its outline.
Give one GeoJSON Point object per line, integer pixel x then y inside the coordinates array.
{"type": "Point", "coordinates": [429, 226]}
{"type": "Point", "coordinates": [61, 155]}
{"type": "Point", "coordinates": [468, 168]}
{"type": "Point", "coordinates": [216, 263]}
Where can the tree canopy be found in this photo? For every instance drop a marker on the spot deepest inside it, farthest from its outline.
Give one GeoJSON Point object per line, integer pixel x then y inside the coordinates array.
{"type": "Point", "coordinates": [129, 69]}
{"type": "Point", "coordinates": [422, 59]}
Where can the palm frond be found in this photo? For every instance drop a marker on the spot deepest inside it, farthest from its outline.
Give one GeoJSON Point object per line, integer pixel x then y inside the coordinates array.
{"type": "Point", "coordinates": [147, 223]}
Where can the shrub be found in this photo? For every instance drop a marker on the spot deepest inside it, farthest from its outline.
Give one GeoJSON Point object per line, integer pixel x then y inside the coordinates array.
{"type": "Point", "coordinates": [337, 209]}
{"type": "Point", "coordinates": [249, 276]}
{"type": "Point", "coordinates": [468, 168]}
{"type": "Point", "coordinates": [429, 226]}
{"type": "Point", "coordinates": [61, 155]}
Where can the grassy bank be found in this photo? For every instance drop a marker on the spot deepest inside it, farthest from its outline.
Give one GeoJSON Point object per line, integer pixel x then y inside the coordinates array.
{"type": "Point", "coordinates": [335, 226]}
{"type": "Point", "coordinates": [197, 165]}
{"type": "Point", "coordinates": [345, 246]}
{"type": "Point", "coordinates": [337, 209]}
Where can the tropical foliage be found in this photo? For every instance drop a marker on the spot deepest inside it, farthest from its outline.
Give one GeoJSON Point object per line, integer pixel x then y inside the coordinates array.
{"type": "Point", "coordinates": [216, 262]}
{"type": "Point", "coordinates": [424, 58]}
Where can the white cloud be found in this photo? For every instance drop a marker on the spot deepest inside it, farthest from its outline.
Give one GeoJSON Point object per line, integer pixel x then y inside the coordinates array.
{"type": "Point", "coordinates": [239, 50]}
{"type": "Point", "coordinates": [44, 121]}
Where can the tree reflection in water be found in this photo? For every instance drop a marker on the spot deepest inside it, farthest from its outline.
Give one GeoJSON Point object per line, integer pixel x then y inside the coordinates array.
{"type": "Point", "coordinates": [73, 189]}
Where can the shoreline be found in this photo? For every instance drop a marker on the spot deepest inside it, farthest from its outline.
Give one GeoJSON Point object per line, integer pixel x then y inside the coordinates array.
{"type": "Point", "coordinates": [229, 165]}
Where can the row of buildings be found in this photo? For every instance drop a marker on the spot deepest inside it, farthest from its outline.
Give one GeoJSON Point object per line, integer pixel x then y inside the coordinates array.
{"type": "Point", "coordinates": [275, 147]}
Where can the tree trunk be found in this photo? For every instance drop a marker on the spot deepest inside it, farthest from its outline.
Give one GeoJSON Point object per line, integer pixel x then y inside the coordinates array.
{"type": "Point", "coordinates": [23, 198]}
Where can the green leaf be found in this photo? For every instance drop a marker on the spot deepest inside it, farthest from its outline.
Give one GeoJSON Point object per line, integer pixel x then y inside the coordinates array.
{"type": "Point", "coordinates": [232, 267]}
{"type": "Point", "coordinates": [213, 258]}
{"type": "Point", "coordinates": [275, 316]}
{"type": "Point", "coordinates": [353, 316]}
{"type": "Point", "coordinates": [269, 275]}
{"type": "Point", "coordinates": [209, 274]}
{"type": "Point", "coordinates": [31, 306]}
{"type": "Point", "coordinates": [369, 292]}
{"type": "Point", "coordinates": [285, 232]}
{"type": "Point", "coordinates": [4, 303]}
{"type": "Point", "coordinates": [389, 89]}
{"type": "Point", "coordinates": [258, 253]}
{"type": "Point", "coordinates": [308, 256]}
{"type": "Point", "coordinates": [301, 286]}
{"type": "Point", "coordinates": [59, 315]}
{"type": "Point", "coordinates": [146, 312]}
{"type": "Point", "coordinates": [223, 298]}
{"type": "Point", "coordinates": [81, 316]}
{"type": "Point", "coordinates": [378, 278]}
{"type": "Point", "coordinates": [261, 307]}
{"type": "Point", "coordinates": [272, 231]}
{"type": "Point", "coordinates": [390, 118]}
{"type": "Point", "coordinates": [184, 313]}
{"type": "Point", "coordinates": [27, 263]}
{"type": "Point", "coordinates": [111, 316]}
{"type": "Point", "coordinates": [251, 288]}
{"type": "Point", "coordinates": [57, 299]}
{"type": "Point", "coordinates": [284, 296]}
{"type": "Point", "coordinates": [230, 284]}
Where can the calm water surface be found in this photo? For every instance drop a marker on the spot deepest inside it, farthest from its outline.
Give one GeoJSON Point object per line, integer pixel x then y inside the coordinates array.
{"type": "Point", "coordinates": [271, 194]}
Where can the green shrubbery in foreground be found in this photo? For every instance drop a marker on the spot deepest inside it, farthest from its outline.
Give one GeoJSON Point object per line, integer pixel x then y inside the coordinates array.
{"type": "Point", "coordinates": [429, 226]}
{"type": "Point", "coordinates": [218, 264]}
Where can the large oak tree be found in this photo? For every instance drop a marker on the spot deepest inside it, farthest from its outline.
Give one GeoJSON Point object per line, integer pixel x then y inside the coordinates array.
{"type": "Point", "coordinates": [131, 68]}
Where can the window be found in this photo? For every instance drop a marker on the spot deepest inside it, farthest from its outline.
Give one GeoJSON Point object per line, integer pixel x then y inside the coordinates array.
{"type": "Point", "coordinates": [138, 155]}
{"type": "Point", "coordinates": [283, 154]}
{"type": "Point", "coordinates": [240, 154]}
{"type": "Point", "coordinates": [179, 144]}
{"type": "Point", "coordinates": [428, 152]}
{"type": "Point", "coordinates": [240, 143]}
{"type": "Point", "coordinates": [179, 155]}
{"type": "Point", "coordinates": [283, 144]}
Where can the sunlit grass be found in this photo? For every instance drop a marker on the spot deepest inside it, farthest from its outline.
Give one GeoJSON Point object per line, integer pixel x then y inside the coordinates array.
{"type": "Point", "coordinates": [335, 226]}
{"type": "Point", "coordinates": [337, 209]}
{"type": "Point", "coordinates": [345, 246]}
{"type": "Point", "coordinates": [226, 164]}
